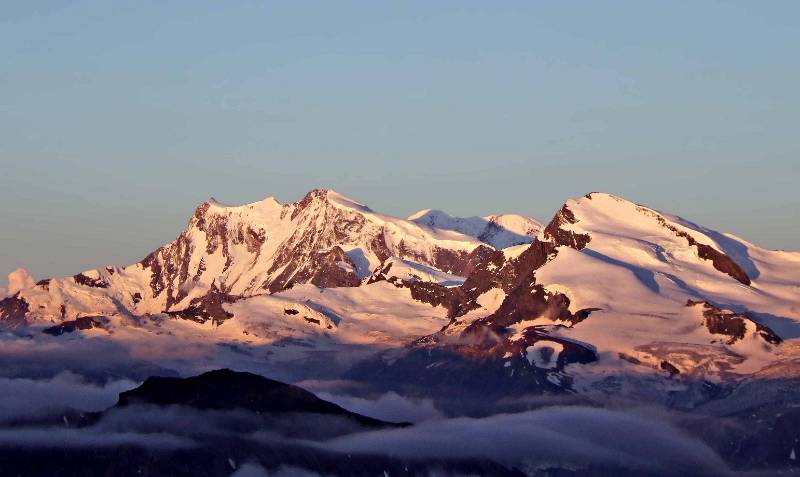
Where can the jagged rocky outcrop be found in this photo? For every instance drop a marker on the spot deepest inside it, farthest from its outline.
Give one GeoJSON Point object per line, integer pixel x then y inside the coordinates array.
{"type": "Point", "coordinates": [734, 326]}
{"type": "Point", "coordinates": [558, 234]}
{"type": "Point", "coordinates": [494, 343]}
{"type": "Point", "coordinates": [81, 323]}
{"type": "Point", "coordinates": [227, 253]}
{"type": "Point", "coordinates": [610, 299]}
{"type": "Point", "coordinates": [206, 307]}
{"type": "Point", "coordinates": [326, 240]}
{"type": "Point", "coordinates": [721, 262]}
{"type": "Point", "coordinates": [532, 317]}
{"type": "Point", "coordinates": [518, 308]}
{"type": "Point", "coordinates": [13, 311]}
{"type": "Point", "coordinates": [84, 280]}
{"type": "Point", "coordinates": [323, 239]}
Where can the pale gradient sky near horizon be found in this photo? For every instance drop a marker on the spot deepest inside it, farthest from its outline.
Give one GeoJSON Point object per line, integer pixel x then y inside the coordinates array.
{"type": "Point", "coordinates": [118, 118]}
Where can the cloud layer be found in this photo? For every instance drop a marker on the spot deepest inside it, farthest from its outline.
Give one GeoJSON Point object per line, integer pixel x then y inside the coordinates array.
{"type": "Point", "coordinates": [22, 398]}
{"type": "Point", "coordinates": [390, 407]}
{"type": "Point", "coordinates": [572, 437]}
{"type": "Point", "coordinates": [565, 436]}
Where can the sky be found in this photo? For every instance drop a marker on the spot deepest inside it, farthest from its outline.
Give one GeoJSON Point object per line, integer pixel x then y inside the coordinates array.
{"type": "Point", "coordinates": [118, 118]}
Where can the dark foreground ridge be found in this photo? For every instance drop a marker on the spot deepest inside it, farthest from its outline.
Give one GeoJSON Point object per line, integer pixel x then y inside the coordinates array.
{"type": "Point", "coordinates": [224, 389]}
{"type": "Point", "coordinates": [224, 420]}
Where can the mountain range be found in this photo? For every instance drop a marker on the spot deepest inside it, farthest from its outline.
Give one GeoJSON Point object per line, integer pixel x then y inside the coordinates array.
{"type": "Point", "coordinates": [608, 300]}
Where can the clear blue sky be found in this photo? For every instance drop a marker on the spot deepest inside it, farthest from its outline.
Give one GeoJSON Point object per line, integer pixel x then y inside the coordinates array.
{"type": "Point", "coordinates": [118, 118]}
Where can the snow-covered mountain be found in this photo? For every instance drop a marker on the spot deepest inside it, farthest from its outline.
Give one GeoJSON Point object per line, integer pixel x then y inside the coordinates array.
{"type": "Point", "coordinates": [607, 289]}
{"type": "Point", "coordinates": [324, 239]}
{"type": "Point", "coordinates": [499, 231]}
{"type": "Point", "coordinates": [623, 287]}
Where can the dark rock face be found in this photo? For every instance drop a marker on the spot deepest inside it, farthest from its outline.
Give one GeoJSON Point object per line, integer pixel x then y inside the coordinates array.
{"type": "Point", "coordinates": [524, 298]}
{"type": "Point", "coordinates": [486, 343]}
{"type": "Point", "coordinates": [490, 336]}
{"type": "Point", "coordinates": [81, 323]}
{"type": "Point", "coordinates": [224, 389]}
{"type": "Point", "coordinates": [493, 271]}
{"type": "Point", "coordinates": [82, 279]}
{"type": "Point", "coordinates": [207, 307]}
{"type": "Point", "coordinates": [528, 302]}
{"type": "Point", "coordinates": [460, 263]}
{"type": "Point", "coordinates": [564, 237]}
{"type": "Point", "coordinates": [726, 325]}
{"type": "Point", "coordinates": [157, 283]}
{"type": "Point", "coordinates": [169, 269]}
{"type": "Point", "coordinates": [436, 295]}
{"type": "Point", "coordinates": [253, 239]}
{"type": "Point", "coordinates": [379, 247]}
{"type": "Point", "coordinates": [431, 293]}
{"type": "Point", "coordinates": [721, 262]}
{"type": "Point", "coordinates": [169, 265]}
{"type": "Point", "coordinates": [731, 324]}
{"type": "Point", "coordinates": [382, 273]}
{"type": "Point", "coordinates": [13, 310]}
{"type": "Point", "coordinates": [326, 269]}
{"type": "Point", "coordinates": [669, 368]}
{"type": "Point", "coordinates": [311, 253]}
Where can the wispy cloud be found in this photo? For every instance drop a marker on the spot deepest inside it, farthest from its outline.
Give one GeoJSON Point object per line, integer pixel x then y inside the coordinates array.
{"type": "Point", "coordinates": [255, 470]}
{"type": "Point", "coordinates": [17, 280]}
{"type": "Point", "coordinates": [62, 438]}
{"type": "Point", "coordinates": [390, 407]}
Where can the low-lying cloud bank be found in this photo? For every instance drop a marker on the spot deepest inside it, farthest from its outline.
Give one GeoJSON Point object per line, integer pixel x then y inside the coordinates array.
{"type": "Point", "coordinates": [26, 398]}
{"type": "Point", "coordinates": [558, 436]}
{"type": "Point", "coordinates": [28, 353]}
{"type": "Point", "coordinates": [390, 407]}
{"type": "Point", "coordinates": [58, 438]}
{"type": "Point", "coordinates": [555, 436]}
{"type": "Point", "coordinates": [254, 470]}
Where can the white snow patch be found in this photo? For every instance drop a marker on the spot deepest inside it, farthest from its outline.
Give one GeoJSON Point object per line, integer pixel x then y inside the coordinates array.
{"type": "Point", "coordinates": [544, 353]}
